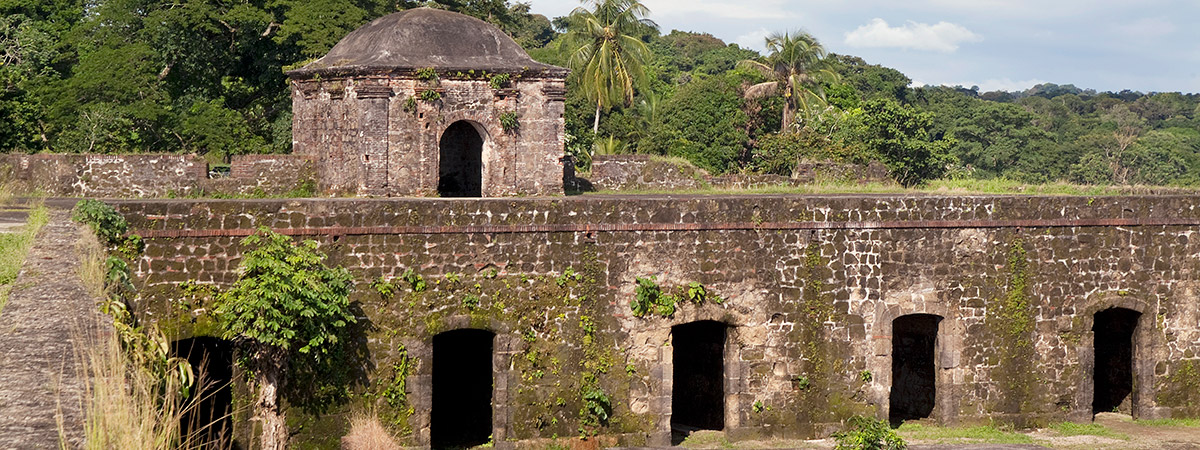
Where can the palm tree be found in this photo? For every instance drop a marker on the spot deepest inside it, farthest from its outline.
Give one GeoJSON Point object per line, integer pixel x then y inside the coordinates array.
{"type": "Point", "coordinates": [796, 66]}
{"type": "Point", "coordinates": [611, 53]}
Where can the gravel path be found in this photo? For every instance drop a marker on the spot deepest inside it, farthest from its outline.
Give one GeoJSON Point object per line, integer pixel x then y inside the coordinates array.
{"type": "Point", "coordinates": [47, 309]}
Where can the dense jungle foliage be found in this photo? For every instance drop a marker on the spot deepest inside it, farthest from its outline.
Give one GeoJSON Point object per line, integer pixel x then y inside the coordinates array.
{"type": "Point", "coordinates": [206, 76]}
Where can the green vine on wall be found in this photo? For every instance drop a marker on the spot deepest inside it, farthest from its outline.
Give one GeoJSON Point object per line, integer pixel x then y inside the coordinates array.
{"type": "Point", "coordinates": [1012, 324]}
{"type": "Point", "coordinates": [395, 391]}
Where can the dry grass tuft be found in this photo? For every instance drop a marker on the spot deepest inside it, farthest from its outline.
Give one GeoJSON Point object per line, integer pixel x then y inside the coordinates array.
{"type": "Point", "coordinates": [367, 433]}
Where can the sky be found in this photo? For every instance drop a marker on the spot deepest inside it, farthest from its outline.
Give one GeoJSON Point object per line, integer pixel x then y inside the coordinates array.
{"type": "Point", "coordinates": [1107, 45]}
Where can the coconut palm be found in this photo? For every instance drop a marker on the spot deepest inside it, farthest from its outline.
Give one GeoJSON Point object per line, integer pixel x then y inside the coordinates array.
{"type": "Point", "coordinates": [611, 53]}
{"type": "Point", "coordinates": [795, 67]}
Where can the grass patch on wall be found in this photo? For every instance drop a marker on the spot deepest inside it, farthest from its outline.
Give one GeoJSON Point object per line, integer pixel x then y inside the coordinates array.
{"type": "Point", "coordinates": [15, 246]}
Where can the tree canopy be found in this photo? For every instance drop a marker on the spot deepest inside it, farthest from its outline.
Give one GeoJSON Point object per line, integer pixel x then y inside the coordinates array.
{"type": "Point", "coordinates": [207, 77]}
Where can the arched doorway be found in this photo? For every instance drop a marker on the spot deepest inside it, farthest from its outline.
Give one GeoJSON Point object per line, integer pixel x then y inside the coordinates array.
{"type": "Point", "coordinates": [914, 376]}
{"type": "Point", "coordinates": [1113, 373]}
{"type": "Point", "coordinates": [460, 170]}
{"type": "Point", "coordinates": [698, 389]}
{"type": "Point", "coordinates": [461, 416]}
{"type": "Point", "coordinates": [207, 421]}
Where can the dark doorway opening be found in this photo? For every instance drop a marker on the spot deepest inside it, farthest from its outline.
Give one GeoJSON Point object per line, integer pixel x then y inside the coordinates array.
{"type": "Point", "coordinates": [462, 389]}
{"type": "Point", "coordinates": [1113, 373]}
{"type": "Point", "coordinates": [461, 169]}
{"type": "Point", "coordinates": [698, 392]}
{"type": "Point", "coordinates": [914, 385]}
{"type": "Point", "coordinates": [207, 418]}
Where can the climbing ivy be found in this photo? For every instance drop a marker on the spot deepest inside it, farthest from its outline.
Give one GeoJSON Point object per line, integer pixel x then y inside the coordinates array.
{"type": "Point", "coordinates": [1012, 322]}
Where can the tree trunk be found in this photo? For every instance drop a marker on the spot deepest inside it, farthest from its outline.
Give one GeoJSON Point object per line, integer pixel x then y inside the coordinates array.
{"type": "Point", "coordinates": [788, 116]}
{"type": "Point", "coordinates": [596, 123]}
{"type": "Point", "coordinates": [270, 381]}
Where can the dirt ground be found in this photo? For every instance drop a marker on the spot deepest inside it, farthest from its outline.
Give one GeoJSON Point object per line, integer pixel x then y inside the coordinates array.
{"type": "Point", "coordinates": [1119, 432]}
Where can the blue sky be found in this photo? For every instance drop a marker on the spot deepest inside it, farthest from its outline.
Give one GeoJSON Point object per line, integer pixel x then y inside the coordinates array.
{"type": "Point", "coordinates": [1145, 45]}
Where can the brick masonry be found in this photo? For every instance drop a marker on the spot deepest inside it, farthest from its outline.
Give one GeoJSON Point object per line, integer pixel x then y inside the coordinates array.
{"type": "Point", "coordinates": [811, 285]}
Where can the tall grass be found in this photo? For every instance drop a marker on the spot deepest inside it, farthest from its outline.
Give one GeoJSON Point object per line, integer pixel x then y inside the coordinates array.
{"type": "Point", "coordinates": [15, 246]}
{"type": "Point", "coordinates": [127, 403]}
{"type": "Point", "coordinates": [367, 433]}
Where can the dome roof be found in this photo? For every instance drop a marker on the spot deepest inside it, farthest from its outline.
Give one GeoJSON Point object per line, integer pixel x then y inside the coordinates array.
{"type": "Point", "coordinates": [425, 37]}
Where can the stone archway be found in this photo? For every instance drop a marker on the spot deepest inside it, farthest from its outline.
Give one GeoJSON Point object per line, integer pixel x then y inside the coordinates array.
{"type": "Point", "coordinates": [460, 167]}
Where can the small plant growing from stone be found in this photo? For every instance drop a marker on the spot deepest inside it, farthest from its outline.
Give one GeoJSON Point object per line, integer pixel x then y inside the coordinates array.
{"type": "Point", "coordinates": [648, 296]}
{"type": "Point", "coordinates": [510, 122]}
{"type": "Point", "coordinates": [429, 95]}
{"type": "Point", "coordinates": [414, 280]}
{"type": "Point", "coordinates": [865, 376]}
{"type": "Point", "coordinates": [410, 105]}
{"type": "Point", "coordinates": [471, 301]}
{"type": "Point", "coordinates": [865, 433]}
{"type": "Point", "coordinates": [427, 74]}
{"type": "Point", "coordinates": [500, 80]}
{"type": "Point", "coordinates": [759, 406]}
{"type": "Point", "coordinates": [801, 382]}
{"type": "Point", "coordinates": [386, 287]}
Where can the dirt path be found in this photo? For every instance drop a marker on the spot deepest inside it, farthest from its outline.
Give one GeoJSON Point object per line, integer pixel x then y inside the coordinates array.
{"type": "Point", "coordinates": [47, 308]}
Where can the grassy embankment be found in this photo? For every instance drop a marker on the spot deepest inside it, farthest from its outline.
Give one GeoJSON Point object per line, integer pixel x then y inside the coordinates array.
{"type": "Point", "coordinates": [14, 246]}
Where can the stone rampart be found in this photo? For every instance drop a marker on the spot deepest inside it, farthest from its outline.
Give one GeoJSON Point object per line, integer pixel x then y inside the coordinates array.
{"type": "Point", "coordinates": [152, 175]}
{"type": "Point", "coordinates": [818, 300]}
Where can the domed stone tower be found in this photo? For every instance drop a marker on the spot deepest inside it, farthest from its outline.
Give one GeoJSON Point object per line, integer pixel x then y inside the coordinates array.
{"type": "Point", "coordinates": [427, 101]}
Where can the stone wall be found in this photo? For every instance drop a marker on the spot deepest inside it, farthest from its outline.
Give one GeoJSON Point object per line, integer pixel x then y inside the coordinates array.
{"type": "Point", "coordinates": [810, 287]}
{"type": "Point", "coordinates": [645, 173]}
{"type": "Point", "coordinates": [151, 175]}
{"type": "Point", "coordinates": [380, 135]}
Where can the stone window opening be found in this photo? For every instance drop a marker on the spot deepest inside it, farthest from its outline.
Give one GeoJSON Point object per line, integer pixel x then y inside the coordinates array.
{"type": "Point", "coordinates": [462, 384]}
{"type": "Point", "coordinates": [460, 169]}
{"type": "Point", "coordinates": [698, 378]}
{"type": "Point", "coordinates": [1114, 367]}
{"type": "Point", "coordinates": [913, 393]}
{"type": "Point", "coordinates": [207, 415]}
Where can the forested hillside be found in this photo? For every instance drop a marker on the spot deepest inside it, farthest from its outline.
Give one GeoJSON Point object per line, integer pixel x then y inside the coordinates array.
{"type": "Point", "coordinates": [206, 76]}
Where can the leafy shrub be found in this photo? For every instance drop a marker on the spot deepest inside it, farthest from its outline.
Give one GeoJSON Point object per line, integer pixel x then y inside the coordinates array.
{"type": "Point", "coordinates": [103, 219]}
{"type": "Point", "coordinates": [868, 434]}
{"type": "Point", "coordinates": [648, 296]}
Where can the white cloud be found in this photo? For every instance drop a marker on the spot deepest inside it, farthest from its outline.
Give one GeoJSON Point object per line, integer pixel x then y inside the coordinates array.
{"type": "Point", "coordinates": [942, 36]}
{"type": "Point", "coordinates": [995, 84]}
{"type": "Point", "coordinates": [1148, 28]}
{"type": "Point", "coordinates": [754, 40]}
{"type": "Point", "coordinates": [722, 9]}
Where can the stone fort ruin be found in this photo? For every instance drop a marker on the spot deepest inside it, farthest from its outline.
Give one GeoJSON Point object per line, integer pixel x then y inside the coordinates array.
{"type": "Point", "coordinates": [427, 101]}
{"type": "Point", "coordinates": [636, 320]}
